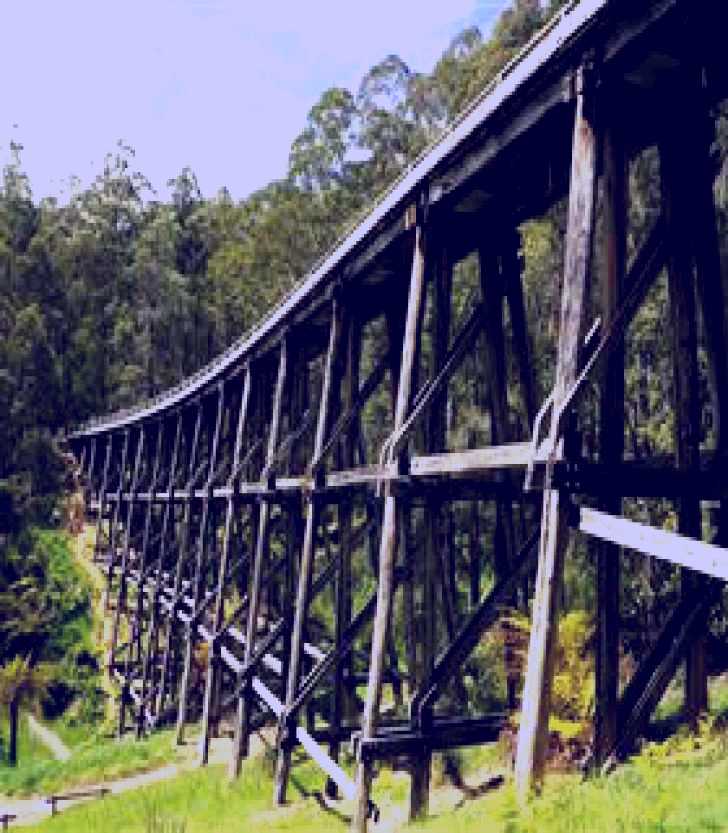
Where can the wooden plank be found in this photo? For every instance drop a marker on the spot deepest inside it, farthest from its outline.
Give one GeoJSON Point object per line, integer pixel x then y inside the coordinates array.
{"type": "Point", "coordinates": [532, 736]}
{"type": "Point", "coordinates": [672, 547]}
{"type": "Point", "coordinates": [267, 696]}
{"type": "Point", "coordinates": [329, 766]}
{"type": "Point", "coordinates": [470, 461]}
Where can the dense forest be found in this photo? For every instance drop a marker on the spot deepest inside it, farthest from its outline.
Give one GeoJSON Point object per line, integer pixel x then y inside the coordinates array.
{"type": "Point", "coordinates": [116, 295]}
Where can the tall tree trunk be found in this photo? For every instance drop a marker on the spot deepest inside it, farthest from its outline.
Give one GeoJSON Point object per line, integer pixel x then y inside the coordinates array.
{"type": "Point", "coordinates": [14, 717]}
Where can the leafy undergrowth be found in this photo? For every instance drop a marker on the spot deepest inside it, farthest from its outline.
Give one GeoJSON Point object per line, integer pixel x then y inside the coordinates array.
{"type": "Point", "coordinates": [675, 786]}
{"type": "Point", "coordinates": [93, 761]}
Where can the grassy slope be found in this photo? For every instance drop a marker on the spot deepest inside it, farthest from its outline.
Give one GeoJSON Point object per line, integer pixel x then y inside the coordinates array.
{"type": "Point", "coordinates": [677, 786]}
{"type": "Point", "coordinates": [93, 761]}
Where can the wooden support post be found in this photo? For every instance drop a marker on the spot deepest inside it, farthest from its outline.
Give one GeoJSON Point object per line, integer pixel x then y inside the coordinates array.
{"type": "Point", "coordinates": [513, 286]}
{"type": "Point", "coordinates": [114, 520]}
{"type": "Point", "coordinates": [388, 545]}
{"type": "Point", "coordinates": [198, 579]}
{"type": "Point", "coordinates": [165, 683]}
{"type": "Point", "coordinates": [141, 587]}
{"type": "Point", "coordinates": [245, 701]}
{"type": "Point", "coordinates": [345, 459]}
{"type": "Point", "coordinates": [121, 596]}
{"type": "Point", "coordinates": [711, 288]}
{"type": "Point", "coordinates": [285, 745]}
{"type": "Point", "coordinates": [213, 662]}
{"type": "Point", "coordinates": [87, 475]}
{"type": "Point", "coordinates": [677, 207]}
{"type": "Point", "coordinates": [151, 655]}
{"type": "Point", "coordinates": [493, 287]}
{"type": "Point", "coordinates": [102, 496]}
{"type": "Point", "coordinates": [611, 441]}
{"type": "Point", "coordinates": [533, 733]}
{"type": "Point", "coordinates": [421, 764]}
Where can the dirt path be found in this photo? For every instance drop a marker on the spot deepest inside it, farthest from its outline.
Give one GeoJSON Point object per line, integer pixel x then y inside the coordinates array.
{"type": "Point", "coordinates": [35, 809]}
{"type": "Point", "coordinates": [48, 738]}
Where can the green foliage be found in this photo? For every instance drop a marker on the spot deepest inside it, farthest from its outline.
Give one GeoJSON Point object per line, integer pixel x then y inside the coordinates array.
{"type": "Point", "coordinates": [573, 685]}
{"type": "Point", "coordinates": [45, 626]}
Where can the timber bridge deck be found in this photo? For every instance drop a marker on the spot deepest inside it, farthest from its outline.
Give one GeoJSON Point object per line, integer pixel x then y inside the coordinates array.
{"type": "Point", "coordinates": [264, 544]}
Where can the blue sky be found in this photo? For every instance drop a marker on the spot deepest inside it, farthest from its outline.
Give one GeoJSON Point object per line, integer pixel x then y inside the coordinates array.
{"type": "Point", "coordinates": [223, 86]}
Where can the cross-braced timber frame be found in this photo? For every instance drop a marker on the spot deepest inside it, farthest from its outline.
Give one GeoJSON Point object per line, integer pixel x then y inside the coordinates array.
{"type": "Point", "coordinates": [270, 525]}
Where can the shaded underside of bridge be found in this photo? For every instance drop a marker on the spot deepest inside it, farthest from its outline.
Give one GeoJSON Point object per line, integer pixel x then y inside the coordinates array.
{"type": "Point", "coordinates": [276, 526]}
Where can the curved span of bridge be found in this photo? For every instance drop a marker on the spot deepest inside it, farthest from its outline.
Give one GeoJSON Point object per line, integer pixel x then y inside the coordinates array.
{"type": "Point", "coordinates": [544, 69]}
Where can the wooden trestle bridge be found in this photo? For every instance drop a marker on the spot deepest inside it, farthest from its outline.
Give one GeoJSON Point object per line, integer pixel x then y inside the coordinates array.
{"type": "Point", "coordinates": [263, 546]}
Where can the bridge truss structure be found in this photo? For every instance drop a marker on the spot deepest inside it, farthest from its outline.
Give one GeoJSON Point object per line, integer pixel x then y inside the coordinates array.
{"type": "Point", "coordinates": [274, 527]}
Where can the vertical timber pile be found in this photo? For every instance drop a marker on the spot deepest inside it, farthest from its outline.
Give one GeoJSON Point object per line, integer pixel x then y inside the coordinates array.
{"type": "Point", "coordinates": [388, 545]}
{"type": "Point", "coordinates": [245, 702]}
{"type": "Point", "coordinates": [533, 733]}
{"type": "Point", "coordinates": [231, 504]}
{"type": "Point", "coordinates": [183, 535]}
{"type": "Point", "coordinates": [148, 691]}
{"type": "Point", "coordinates": [287, 729]}
{"type": "Point", "coordinates": [611, 436]}
{"type": "Point", "coordinates": [204, 534]}
{"type": "Point", "coordinates": [683, 329]}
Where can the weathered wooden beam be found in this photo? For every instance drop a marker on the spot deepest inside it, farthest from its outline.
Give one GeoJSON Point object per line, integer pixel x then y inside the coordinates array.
{"type": "Point", "coordinates": [135, 637]}
{"type": "Point", "coordinates": [342, 705]}
{"type": "Point", "coordinates": [213, 663]}
{"type": "Point", "coordinates": [114, 520]}
{"type": "Point", "coordinates": [432, 566]}
{"type": "Point", "coordinates": [245, 702]}
{"type": "Point", "coordinates": [305, 571]}
{"type": "Point", "coordinates": [151, 655]}
{"type": "Point", "coordinates": [611, 438]}
{"type": "Point", "coordinates": [676, 192]}
{"type": "Point", "coordinates": [184, 536]}
{"type": "Point", "coordinates": [197, 584]}
{"type": "Point", "coordinates": [102, 496]}
{"type": "Point", "coordinates": [673, 547]}
{"type": "Point", "coordinates": [388, 546]}
{"type": "Point", "coordinates": [533, 731]}
{"type": "Point", "coordinates": [131, 505]}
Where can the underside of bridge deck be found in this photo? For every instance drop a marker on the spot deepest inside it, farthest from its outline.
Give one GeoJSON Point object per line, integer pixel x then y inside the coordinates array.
{"type": "Point", "coordinates": [277, 526]}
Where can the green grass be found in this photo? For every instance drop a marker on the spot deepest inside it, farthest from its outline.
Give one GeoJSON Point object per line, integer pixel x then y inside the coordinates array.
{"type": "Point", "coordinates": [29, 747]}
{"type": "Point", "coordinates": [202, 800]}
{"type": "Point", "coordinates": [95, 760]}
{"type": "Point", "coordinates": [675, 787]}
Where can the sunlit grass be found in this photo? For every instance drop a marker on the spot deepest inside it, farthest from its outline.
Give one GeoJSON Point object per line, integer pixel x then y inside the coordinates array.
{"type": "Point", "coordinates": [93, 761]}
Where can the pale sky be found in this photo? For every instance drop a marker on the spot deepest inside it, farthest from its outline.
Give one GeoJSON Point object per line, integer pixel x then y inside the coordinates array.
{"type": "Point", "coordinates": [222, 86]}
